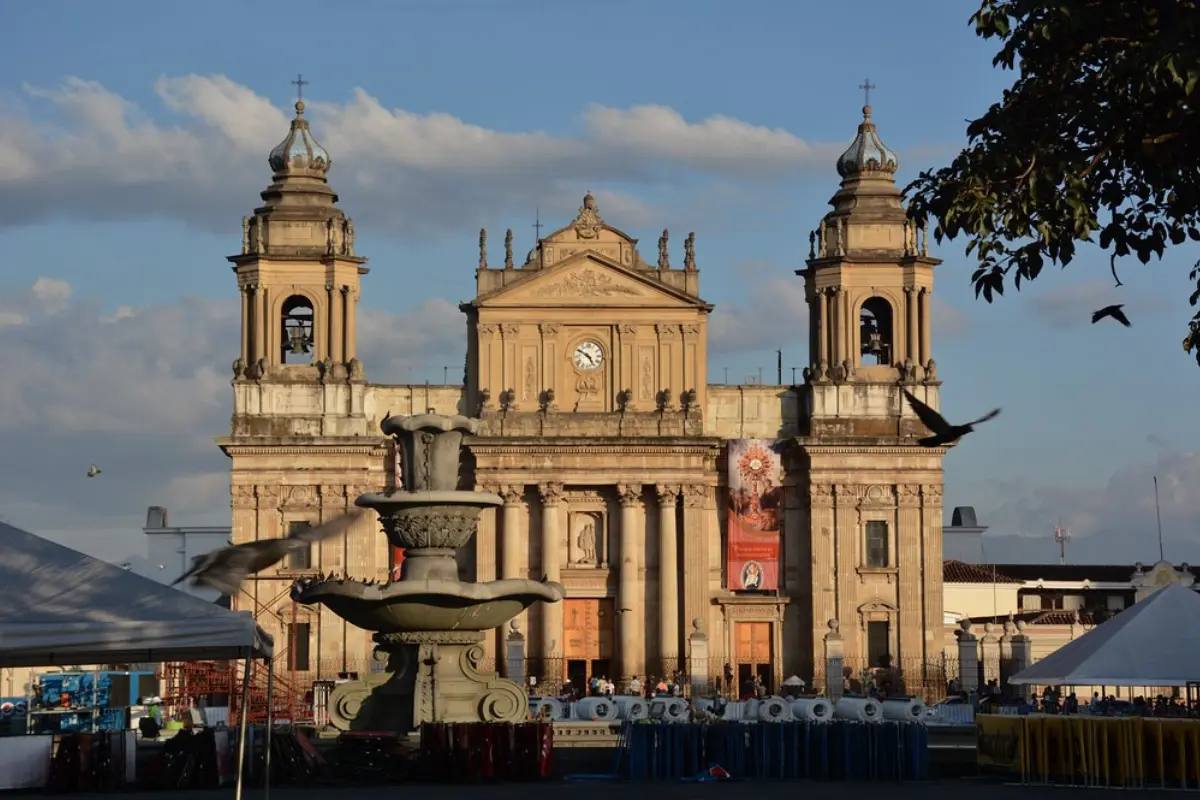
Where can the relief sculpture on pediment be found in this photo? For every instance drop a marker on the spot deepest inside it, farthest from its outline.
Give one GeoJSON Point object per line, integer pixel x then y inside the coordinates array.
{"type": "Point", "coordinates": [587, 283]}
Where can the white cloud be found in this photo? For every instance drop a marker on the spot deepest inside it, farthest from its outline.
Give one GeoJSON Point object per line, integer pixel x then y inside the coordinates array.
{"type": "Point", "coordinates": [773, 314]}
{"type": "Point", "coordinates": [1113, 524]}
{"type": "Point", "coordinates": [81, 150]}
{"type": "Point", "coordinates": [142, 392]}
{"type": "Point", "coordinates": [1071, 305]}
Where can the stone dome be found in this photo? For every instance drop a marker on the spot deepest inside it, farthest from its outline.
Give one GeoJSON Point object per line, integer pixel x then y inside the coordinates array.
{"type": "Point", "coordinates": [299, 151]}
{"type": "Point", "coordinates": [867, 154]}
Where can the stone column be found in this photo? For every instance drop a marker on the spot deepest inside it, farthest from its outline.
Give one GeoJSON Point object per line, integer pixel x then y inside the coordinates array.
{"type": "Point", "coordinates": [337, 310]}
{"type": "Point", "coordinates": [835, 654]}
{"type": "Point", "coordinates": [926, 327]}
{"type": "Point", "coordinates": [822, 327]}
{"type": "Point", "coordinates": [912, 335]}
{"type": "Point", "coordinates": [1022, 648]}
{"type": "Point", "coordinates": [698, 659]}
{"type": "Point", "coordinates": [695, 554]}
{"type": "Point", "coordinates": [838, 324]}
{"type": "Point", "coordinates": [627, 588]}
{"type": "Point", "coordinates": [510, 543]}
{"type": "Point", "coordinates": [514, 654]}
{"type": "Point", "coordinates": [909, 551]}
{"type": "Point", "coordinates": [350, 345]}
{"type": "Point", "coordinates": [256, 323]}
{"type": "Point", "coordinates": [668, 574]}
{"type": "Point", "coordinates": [243, 291]}
{"type": "Point", "coordinates": [849, 331]}
{"type": "Point", "coordinates": [485, 564]}
{"type": "Point", "coordinates": [552, 620]}
{"type": "Point", "coordinates": [968, 658]}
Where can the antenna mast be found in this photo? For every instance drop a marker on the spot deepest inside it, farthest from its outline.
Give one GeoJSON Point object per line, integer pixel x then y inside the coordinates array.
{"type": "Point", "coordinates": [1061, 537]}
{"type": "Point", "coordinates": [1158, 517]}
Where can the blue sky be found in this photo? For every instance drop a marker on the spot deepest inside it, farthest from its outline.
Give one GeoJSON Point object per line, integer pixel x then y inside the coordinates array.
{"type": "Point", "coordinates": [134, 139]}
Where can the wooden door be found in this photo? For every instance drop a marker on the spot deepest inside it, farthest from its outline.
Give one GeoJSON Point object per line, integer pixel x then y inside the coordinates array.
{"type": "Point", "coordinates": [753, 652]}
{"type": "Point", "coordinates": [587, 630]}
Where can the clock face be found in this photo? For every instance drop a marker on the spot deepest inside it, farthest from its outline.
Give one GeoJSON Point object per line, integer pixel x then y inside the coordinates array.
{"type": "Point", "coordinates": [588, 356]}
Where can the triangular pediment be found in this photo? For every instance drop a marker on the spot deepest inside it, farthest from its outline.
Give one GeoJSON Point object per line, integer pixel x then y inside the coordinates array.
{"type": "Point", "coordinates": [589, 279]}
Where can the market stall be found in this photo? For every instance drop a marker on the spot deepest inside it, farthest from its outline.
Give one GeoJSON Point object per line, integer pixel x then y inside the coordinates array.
{"type": "Point", "coordinates": [60, 607]}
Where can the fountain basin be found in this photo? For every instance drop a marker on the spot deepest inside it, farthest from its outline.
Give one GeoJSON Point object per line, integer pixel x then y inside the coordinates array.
{"type": "Point", "coordinates": [428, 605]}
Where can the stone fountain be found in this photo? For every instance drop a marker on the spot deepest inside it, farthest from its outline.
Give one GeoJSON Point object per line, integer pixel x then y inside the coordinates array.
{"type": "Point", "coordinates": [429, 625]}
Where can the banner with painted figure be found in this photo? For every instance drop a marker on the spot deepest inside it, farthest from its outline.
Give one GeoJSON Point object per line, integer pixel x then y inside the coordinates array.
{"type": "Point", "coordinates": [754, 514]}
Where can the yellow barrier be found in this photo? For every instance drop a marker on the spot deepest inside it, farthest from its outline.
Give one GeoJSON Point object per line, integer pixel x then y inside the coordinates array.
{"type": "Point", "coordinates": [1126, 752]}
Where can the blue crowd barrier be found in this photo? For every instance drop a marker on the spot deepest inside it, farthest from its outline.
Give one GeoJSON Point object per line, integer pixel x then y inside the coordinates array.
{"type": "Point", "coordinates": [838, 750]}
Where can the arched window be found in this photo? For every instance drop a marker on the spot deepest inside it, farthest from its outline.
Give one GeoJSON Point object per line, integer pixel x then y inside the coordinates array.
{"type": "Point", "coordinates": [875, 332]}
{"type": "Point", "coordinates": [296, 337]}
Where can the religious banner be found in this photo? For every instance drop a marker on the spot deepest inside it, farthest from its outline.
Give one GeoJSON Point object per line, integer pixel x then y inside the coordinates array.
{"type": "Point", "coordinates": [755, 505]}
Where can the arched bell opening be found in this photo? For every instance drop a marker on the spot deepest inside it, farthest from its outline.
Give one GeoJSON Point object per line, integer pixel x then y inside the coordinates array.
{"type": "Point", "coordinates": [296, 336]}
{"type": "Point", "coordinates": [876, 333]}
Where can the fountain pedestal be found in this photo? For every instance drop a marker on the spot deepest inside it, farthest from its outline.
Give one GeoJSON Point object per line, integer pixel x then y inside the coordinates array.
{"type": "Point", "coordinates": [433, 676]}
{"type": "Point", "coordinates": [429, 625]}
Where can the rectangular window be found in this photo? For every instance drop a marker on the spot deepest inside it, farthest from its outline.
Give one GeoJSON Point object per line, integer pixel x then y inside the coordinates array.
{"type": "Point", "coordinates": [877, 544]}
{"type": "Point", "coordinates": [878, 646]}
{"type": "Point", "coordinates": [302, 558]}
{"type": "Point", "coordinates": [298, 640]}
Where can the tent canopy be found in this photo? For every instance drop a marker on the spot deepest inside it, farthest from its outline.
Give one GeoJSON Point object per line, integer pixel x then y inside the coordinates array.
{"type": "Point", "coordinates": [60, 607]}
{"type": "Point", "coordinates": [1153, 643]}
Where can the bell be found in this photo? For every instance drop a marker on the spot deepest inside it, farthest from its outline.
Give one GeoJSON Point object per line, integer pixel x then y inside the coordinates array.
{"type": "Point", "coordinates": [297, 341]}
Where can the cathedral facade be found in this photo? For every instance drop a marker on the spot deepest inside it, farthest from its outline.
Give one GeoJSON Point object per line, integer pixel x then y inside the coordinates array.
{"type": "Point", "coordinates": [758, 516]}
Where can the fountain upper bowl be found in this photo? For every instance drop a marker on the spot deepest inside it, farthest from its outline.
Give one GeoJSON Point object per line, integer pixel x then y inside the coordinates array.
{"type": "Point", "coordinates": [428, 605]}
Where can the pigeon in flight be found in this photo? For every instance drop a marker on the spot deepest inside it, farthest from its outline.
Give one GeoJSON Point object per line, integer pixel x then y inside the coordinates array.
{"type": "Point", "coordinates": [1113, 311]}
{"type": "Point", "coordinates": [943, 432]}
{"type": "Point", "coordinates": [226, 569]}
{"type": "Point", "coordinates": [93, 471]}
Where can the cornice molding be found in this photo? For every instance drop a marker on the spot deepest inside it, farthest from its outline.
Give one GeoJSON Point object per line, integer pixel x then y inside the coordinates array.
{"type": "Point", "coordinates": [304, 450]}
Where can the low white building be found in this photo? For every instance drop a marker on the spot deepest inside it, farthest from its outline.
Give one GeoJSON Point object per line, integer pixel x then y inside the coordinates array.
{"type": "Point", "coordinates": [170, 550]}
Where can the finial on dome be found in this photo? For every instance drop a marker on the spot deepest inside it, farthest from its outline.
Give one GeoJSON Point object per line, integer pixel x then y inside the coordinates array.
{"type": "Point", "coordinates": [867, 154]}
{"type": "Point", "coordinates": [299, 151]}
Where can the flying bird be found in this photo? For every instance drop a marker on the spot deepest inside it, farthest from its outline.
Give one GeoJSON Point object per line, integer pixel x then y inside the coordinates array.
{"type": "Point", "coordinates": [943, 432]}
{"type": "Point", "coordinates": [226, 569]}
{"type": "Point", "coordinates": [1113, 311]}
{"type": "Point", "coordinates": [93, 471]}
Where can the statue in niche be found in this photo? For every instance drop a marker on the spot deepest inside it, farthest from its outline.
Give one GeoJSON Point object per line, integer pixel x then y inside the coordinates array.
{"type": "Point", "coordinates": [585, 541]}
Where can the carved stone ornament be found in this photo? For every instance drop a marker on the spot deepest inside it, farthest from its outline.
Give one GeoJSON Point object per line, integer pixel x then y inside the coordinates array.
{"type": "Point", "coordinates": [695, 495]}
{"type": "Point", "coordinates": [630, 494]}
{"type": "Point", "coordinates": [486, 330]}
{"type": "Point", "coordinates": [589, 223]}
{"type": "Point", "coordinates": [299, 495]}
{"type": "Point", "coordinates": [430, 528]}
{"type": "Point", "coordinates": [909, 494]}
{"type": "Point", "coordinates": [666, 330]}
{"type": "Point", "coordinates": [821, 494]}
{"type": "Point", "coordinates": [509, 329]}
{"type": "Point", "coordinates": [933, 495]}
{"type": "Point", "coordinates": [668, 494]}
{"type": "Point", "coordinates": [513, 495]}
{"type": "Point", "coordinates": [552, 493]}
{"type": "Point", "coordinates": [627, 330]}
{"type": "Point", "coordinates": [333, 495]}
{"type": "Point", "coordinates": [691, 332]}
{"type": "Point", "coordinates": [268, 496]}
{"type": "Point", "coordinates": [242, 497]}
{"type": "Point", "coordinates": [587, 283]}
{"type": "Point", "coordinates": [550, 329]}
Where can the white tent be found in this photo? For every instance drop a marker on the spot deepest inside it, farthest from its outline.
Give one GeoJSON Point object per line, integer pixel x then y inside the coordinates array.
{"type": "Point", "coordinates": [60, 607]}
{"type": "Point", "coordinates": [1153, 643]}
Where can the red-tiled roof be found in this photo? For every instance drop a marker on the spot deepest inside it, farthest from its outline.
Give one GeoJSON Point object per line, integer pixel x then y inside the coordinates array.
{"type": "Point", "coordinates": [961, 572]}
{"type": "Point", "coordinates": [1052, 617]}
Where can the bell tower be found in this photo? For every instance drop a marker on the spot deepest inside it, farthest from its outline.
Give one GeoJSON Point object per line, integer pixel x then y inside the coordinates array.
{"type": "Point", "coordinates": [298, 274]}
{"type": "Point", "coordinates": [866, 507]}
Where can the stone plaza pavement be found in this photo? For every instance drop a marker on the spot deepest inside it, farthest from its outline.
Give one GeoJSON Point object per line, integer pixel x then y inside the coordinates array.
{"type": "Point", "coordinates": [730, 790]}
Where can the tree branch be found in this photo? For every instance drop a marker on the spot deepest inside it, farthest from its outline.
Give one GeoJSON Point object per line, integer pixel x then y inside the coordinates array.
{"type": "Point", "coordinates": [1112, 264]}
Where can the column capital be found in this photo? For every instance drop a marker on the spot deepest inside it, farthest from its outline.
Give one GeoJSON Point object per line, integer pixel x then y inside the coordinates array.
{"type": "Point", "coordinates": [695, 495]}
{"type": "Point", "coordinates": [909, 289]}
{"type": "Point", "coordinates": [551, 493]}
{"type": "Point", "coordinates": [668, 493]}
{"type": "Point", "coordinates": [513, 494]}
{"type": "Point", "coordinates": [488, 487]}
{"type": "Point", "coordinates": [924, 291]}
{"type": "Point", "coordinates": [630, 494]}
